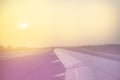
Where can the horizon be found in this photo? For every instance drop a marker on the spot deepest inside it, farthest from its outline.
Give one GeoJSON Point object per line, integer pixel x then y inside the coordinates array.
{"type": "Point", "coordinates": [25, 47]}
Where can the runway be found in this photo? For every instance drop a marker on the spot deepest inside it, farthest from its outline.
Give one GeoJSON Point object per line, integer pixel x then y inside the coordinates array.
{"type": "Point", "coordinates": [60, 64]}
{"type": "Point", "coordinates": [40, 66]}
{"type": "Point", "coordinates": [82, 66]}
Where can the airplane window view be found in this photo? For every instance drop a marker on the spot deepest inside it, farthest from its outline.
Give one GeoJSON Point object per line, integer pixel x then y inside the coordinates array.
{"type": "Point", "coordinates": [59, 40]}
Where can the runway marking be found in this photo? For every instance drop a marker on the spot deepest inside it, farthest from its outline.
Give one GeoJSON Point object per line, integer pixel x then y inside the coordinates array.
{"type": "Point", "coordinates": [60, 75]}
{"type": "Point", "coordinates": [76, 74]}
{"type": "Point", "coordinates": [55, 61]}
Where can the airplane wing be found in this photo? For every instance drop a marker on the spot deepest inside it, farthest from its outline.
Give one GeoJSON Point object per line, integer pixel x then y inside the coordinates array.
{"type": "Point", "coordinates": [80, 66]}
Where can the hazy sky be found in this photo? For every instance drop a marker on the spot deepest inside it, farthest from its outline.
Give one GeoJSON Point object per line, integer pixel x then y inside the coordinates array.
{"type": "Point", "coordinates": [58, 22]}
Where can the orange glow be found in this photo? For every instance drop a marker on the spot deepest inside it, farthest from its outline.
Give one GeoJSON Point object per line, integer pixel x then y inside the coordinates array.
{"type": "Point", "coordinates": [54, 23]}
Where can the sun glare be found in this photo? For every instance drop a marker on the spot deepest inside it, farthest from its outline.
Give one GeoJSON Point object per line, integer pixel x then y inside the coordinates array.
{"type": "Point", "coordinates": [23, 26]}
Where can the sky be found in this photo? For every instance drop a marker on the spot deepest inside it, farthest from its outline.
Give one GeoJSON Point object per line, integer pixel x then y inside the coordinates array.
{"type": "Point", "coordinates": [44, 23]}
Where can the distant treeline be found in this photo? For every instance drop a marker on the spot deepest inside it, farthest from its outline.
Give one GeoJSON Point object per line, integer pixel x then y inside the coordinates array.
{"type": "Point", "coordinates": [2, 48]}
{"type": "Point", "coordinates": [11, 48]}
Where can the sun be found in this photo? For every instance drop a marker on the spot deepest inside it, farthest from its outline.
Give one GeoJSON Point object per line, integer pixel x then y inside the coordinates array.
{"type": "Point", "coordinates": [23, 26]}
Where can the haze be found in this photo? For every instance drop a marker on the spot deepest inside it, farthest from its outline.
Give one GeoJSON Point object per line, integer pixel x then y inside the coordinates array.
{"type": "Point", "coordinates": [58, 22]}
